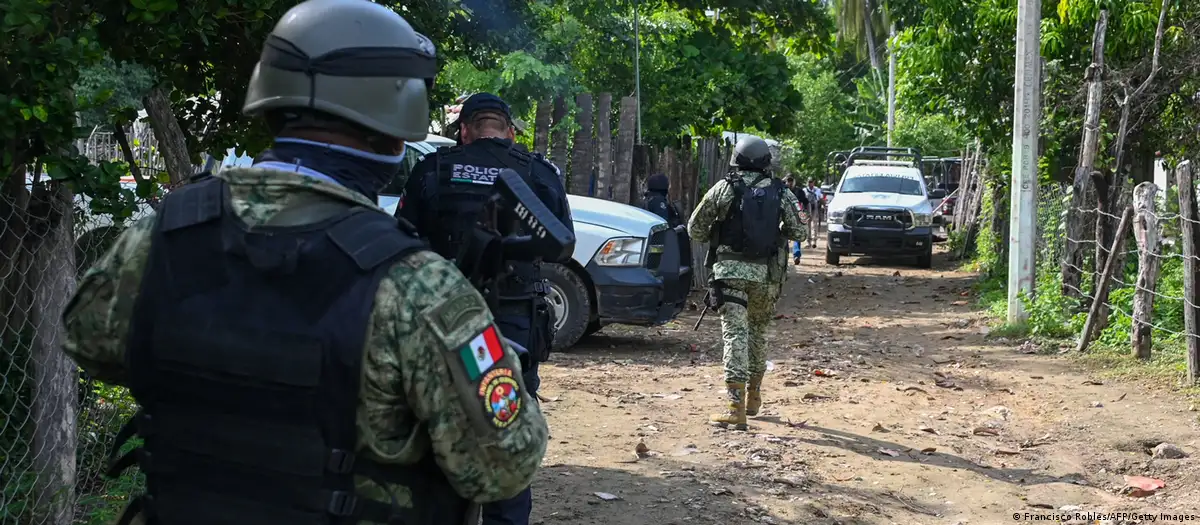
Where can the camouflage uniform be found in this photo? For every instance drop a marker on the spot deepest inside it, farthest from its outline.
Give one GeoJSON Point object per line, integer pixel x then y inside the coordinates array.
{"type": "Point", "coordinates": [744, 329]}
{"type": "Point", "coordinates": [410, 404]}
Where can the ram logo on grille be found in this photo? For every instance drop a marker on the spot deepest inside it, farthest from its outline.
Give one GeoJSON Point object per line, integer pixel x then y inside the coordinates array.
{"type": "Point", "coordinates": [879, 217]}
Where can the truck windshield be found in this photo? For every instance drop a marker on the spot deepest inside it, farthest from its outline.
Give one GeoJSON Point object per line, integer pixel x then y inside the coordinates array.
{"type": "Point", "coordinates": [882, 184]}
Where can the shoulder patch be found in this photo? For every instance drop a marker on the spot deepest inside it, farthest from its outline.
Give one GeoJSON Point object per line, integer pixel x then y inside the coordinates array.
{"type": "Point", "coordinates": [451, 314]}
{"type": "Point", "coordinates": [500, 394]}
{"type": "Point", "coordinates": [481, 353]}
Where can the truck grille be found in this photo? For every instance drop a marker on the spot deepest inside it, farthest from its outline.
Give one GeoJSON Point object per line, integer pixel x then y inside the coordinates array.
{"type": "Point", "coordinates": [654, 249]}
{"type": "Point", "coordinates": [897, 219]}
{"type": "Point", "coordinates": [884, 242]}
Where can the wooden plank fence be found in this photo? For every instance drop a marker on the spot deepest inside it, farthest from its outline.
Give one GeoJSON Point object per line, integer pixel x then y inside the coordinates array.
{"type": "Point", "coordinates": [605, 163]}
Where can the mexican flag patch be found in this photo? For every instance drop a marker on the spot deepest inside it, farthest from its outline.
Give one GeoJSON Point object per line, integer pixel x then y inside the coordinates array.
{"type": "Point", "coordinates": [481, 353]}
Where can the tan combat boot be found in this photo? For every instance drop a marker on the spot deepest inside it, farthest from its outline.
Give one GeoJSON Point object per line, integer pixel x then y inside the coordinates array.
{"type": "Point", "coordinates": [754, 395]}
{"type": "Point", "coordinates": [737, 408]}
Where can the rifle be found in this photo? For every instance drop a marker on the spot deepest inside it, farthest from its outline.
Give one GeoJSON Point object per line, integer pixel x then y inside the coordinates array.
{"type": "Point", "coordinates": [531, 233]}
{"type": "Point", "coordinates": [707, 295]}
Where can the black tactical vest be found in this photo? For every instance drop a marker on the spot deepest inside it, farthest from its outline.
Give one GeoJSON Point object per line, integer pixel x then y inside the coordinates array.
{"type": "Point", "coordinates": [659, 204]}
{"type": "Point", "coordinates": [465, 176]}
{"type": "Point", "coordinates": [245, 355]}
{"type": "Point", "coordinates": [751, 226]}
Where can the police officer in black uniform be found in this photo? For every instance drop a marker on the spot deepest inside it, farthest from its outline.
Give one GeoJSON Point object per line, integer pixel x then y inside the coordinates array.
{"type": "Point", "coordinates": [657, 201]}
{"type": "Point", "coordinates": [443, 199]}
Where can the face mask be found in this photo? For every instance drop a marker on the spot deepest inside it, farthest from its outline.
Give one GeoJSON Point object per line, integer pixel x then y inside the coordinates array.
{"type": "Point", "coordinates": [390, 164]}
{"type": "Point", "coordinates": [363, 171]}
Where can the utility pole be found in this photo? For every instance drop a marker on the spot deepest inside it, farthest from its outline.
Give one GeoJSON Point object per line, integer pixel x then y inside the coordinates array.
{"type": "Point", "coordinates": [891, 123]}
{"type": "Point", "coordinates": [1027, 112]}
{"type": "Point", "coordinates": [637, 67]}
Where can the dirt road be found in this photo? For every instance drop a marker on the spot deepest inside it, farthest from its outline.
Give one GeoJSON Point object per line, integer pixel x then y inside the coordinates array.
{"type": "Point", "coordinates": [925, 419]}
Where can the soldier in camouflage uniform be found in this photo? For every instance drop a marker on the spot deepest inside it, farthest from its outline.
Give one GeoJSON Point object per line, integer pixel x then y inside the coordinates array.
{"type": "Point", "coordinates": [297, 354]}
{"type": "Point", "coordinates": [750, 286]}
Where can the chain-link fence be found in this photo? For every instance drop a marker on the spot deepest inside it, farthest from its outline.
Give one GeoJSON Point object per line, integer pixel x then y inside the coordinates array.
{"type": "Point", "coordinates": [56, 423]}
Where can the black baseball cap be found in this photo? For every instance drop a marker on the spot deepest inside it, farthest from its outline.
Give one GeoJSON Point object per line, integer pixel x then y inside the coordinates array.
{"type": "Point", "coordinates": [484, 102]}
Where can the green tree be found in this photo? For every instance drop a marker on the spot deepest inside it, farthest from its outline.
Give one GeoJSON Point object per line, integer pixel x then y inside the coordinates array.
{"type": "Point", "coordinates": [862, 26]}
{"type": "Point", "coordinates": [205, 51]}
{"type": "Point", "coordinates": [826, 123]}
{"type": "Point", "coordinates": [701, 73]}
{"type": "Point", "coordinates": [937, 135]}
{"type": "Point", "coordinates": [120, 85]}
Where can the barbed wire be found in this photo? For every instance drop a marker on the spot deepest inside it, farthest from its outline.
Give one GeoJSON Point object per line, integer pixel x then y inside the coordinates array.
{"type": "Point", "coordinates": [1125, 290]}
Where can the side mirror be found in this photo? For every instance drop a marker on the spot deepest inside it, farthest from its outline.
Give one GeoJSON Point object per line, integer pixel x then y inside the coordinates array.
{"type": "Point", "coordinates": [937, 194]}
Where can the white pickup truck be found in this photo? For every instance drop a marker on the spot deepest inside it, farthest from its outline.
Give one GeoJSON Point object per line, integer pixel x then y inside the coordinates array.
{"type": "Point", "coordinates": [628, 266]}
{"type": "Point", "coordinates": [882, 207]}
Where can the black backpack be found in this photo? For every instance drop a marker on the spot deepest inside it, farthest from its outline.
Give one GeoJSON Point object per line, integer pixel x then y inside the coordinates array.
{"type": "Point", "coordinates": [751, 227]}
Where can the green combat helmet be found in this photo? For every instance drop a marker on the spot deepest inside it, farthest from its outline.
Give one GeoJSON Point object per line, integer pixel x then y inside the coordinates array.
{"type": "Point", "coordinates": [353, 59]}
{"type": "Point", "coordinates": [751, 154]}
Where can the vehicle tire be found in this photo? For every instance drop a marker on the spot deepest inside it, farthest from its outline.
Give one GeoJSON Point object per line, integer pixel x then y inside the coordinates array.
{"type": "Point", "coordinates": [572, 305]}
{"type": "Point", "coordinates": [926, 260]}
{"type": "Point", "coordinates": [832, 258]}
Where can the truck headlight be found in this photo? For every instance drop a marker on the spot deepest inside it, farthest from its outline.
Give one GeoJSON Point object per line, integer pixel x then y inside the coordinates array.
{"type": "Point", "coordinates": [921, 220]}
{"type": "Point", "coordinates": [621, 251]}
{"type": "Point", "coordinates": [835, 217]}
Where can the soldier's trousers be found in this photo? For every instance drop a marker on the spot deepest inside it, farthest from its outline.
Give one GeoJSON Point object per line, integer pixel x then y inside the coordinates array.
{"type": "Point", "coordinates": [744, 329]}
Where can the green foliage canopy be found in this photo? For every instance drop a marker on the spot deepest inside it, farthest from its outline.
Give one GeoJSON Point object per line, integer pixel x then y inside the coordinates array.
{"type": "Point", "coordinates": [46, 45]}
{"type": "Point", "coordinates": [700, 73]}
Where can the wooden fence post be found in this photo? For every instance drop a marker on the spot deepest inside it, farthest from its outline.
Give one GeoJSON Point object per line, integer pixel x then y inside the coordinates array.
{"type": "Point", "coordinates": [582, 161]}
{"type": "Point", "coordinates": [966, 182]}
{"type": "Point", "coordinates": [687, 176]}
{"type": "Point", "coordinates": [1104, 280]}
{"type": "Point", "coordinates": [723, 160]}
{"type": "Point", "coordinates": [973, 208]}
{"type": "Point", "coordinates": [558, 135]}
{"type": "Point", "coordinates": [622, 188]}
{"type": "Point", "coordinates": [604, 144]}
{"type": "Point", "coordinates": [541, 126]}
{"type": "Point", "coordinates": [1083, 187]}
{"type": "Point", "coordinates": [670, 167]}
{"type": "Point", "coordinates": [1190, 239]}
{"type": "Point", "coordinates": [642, 166]}
{"type": "Point", "coordinates": [1146, 230]}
